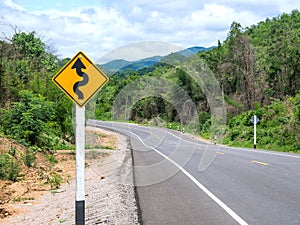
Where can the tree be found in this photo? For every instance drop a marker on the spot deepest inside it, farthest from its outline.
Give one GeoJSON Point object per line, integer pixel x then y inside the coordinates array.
{"type": "Point", "coordinates": [31, 121]}
{"type": "Point", "coordinates": [28, 45]}
{"type": "Point", "coordinates": [27, 64]}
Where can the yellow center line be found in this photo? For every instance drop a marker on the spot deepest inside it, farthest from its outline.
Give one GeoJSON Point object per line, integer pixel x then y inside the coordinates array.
{"type": "Point", "coordinates": [261, 163]}
{"type": "Point", "coordinates": [220, 153]}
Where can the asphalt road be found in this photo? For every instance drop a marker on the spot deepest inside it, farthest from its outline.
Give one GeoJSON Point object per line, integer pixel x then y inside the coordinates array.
{"type": "Point", "coordinates": [184, 181]}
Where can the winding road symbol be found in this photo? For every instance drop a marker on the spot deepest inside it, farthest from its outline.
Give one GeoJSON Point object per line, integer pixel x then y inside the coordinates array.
{"type": "Point", "coordinates": [80, 79]}
{"type": "Point", "coordinates": [78, 65]}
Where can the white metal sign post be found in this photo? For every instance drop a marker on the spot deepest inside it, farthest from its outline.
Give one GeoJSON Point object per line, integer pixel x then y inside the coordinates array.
{"type": "Point", "coordinates": [254, 131]}
{"type": "Point", "coordinates": [254, 120]}
{"type": "Point", "coordinates": [80, 164]}
{"type": "Point", "coordinates": [80, 80]}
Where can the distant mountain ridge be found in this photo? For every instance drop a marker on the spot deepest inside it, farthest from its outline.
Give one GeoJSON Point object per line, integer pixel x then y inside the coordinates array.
{"type": "Point", "coordinates": [194, 50]}
{"type": "Point", "coordinates": [121, 64]}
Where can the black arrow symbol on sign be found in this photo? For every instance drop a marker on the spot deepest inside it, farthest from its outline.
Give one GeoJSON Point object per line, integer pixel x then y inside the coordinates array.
{"type": "Point", "coordinates": [78, 65]}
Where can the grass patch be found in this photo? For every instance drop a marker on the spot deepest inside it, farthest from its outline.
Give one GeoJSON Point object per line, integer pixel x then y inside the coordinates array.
{"type": "Point", "coordinates": [99, 147]}
{"type": "Point", "coordinates": [21, 199]}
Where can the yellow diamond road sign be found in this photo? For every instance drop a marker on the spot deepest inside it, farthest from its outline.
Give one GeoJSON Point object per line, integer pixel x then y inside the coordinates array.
{"type": "Point", "coordinates": [80, 79]}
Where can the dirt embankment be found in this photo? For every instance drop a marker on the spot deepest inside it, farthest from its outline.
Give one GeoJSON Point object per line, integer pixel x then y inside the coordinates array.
{"type": "Point", "coordinates": [110, 197]}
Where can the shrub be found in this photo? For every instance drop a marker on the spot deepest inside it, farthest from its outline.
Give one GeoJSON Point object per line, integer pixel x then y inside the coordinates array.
{"type": "Point", "coordinates": [203, 117]}
{"type": "Point", "coordinates": [29, 157]}
{"type": "Point", "coordinates": [278, 128]}
{"type": "Point", "coordinates": [296, 107]}
{"type": "Point", "coordinates": [54, 180]}
{"type": "Point", "coordinates": [50, 158]}
{"type": "Point", "coordinates": [9, 167]}
{"type": "Point", "coordinates": [28, 120]}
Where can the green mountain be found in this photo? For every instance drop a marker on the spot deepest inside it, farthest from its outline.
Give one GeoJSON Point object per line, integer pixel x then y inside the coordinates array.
{"type": "Point", "coordinates": [194, 50]}
{"type": "Point", "coordinates": [119, 65]}
{"type": "Point", "coordinates": [115, 65]}
{"type": "Point", "coordinates": [140, 64]}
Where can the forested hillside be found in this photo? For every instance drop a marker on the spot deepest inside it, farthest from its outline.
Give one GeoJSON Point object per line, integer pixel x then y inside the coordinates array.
{"type": "Point", "coordinates": [33, 111]}
{"type": "Point", "coordinates": [258, 63]}
{"type": "Point", "coordinates": [35, 117]}
{"type": "Point", "coordinates": [258, 71]}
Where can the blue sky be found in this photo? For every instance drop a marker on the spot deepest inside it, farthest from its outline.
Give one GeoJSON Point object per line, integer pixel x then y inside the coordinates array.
{"type": "Point", "coordinates": [66, 5]}
{"type": "Point", "coordinates": [98, 27]}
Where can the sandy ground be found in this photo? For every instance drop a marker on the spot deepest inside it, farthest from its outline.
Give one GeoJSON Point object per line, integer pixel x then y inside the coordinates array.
{"type": "Point", "coordinates": [110, 197]}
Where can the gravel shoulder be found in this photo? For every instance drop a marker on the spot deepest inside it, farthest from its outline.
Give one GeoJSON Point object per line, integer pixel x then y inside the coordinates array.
{"type": "Point", "coordinates": [109, 189]}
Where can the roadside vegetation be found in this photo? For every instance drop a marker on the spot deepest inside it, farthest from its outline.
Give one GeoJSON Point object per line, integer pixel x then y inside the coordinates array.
{"type": "Point", "coordinates": [278, 128]}
{"type": "Point", "coordinates": [34, 115]}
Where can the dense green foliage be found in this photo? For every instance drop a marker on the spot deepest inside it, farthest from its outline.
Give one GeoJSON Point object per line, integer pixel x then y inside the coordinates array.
{"type": "Point", "coordinates": [258, 63]}
{"type": "Point", "coordinates": [278, 128]}
{"type": "Point", "coordinates": [32, 121]}
{"type": "Point", "coordinates": [148, 107]}
{"type": "Point", "coordinates": [32, 110]}
{"type": "Point", "coordinates": [258, 68]}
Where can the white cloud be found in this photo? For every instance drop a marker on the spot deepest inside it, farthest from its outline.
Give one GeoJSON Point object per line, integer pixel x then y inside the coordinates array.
{"type": "Point", "coordinates": [12, 5]}
{"type": "Point", "coordinates": [99, 29]}
{"type": "Point", "coordinates": [216, 17]}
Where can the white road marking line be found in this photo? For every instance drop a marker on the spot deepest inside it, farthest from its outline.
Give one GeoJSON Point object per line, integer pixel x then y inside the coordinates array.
{"type": "Point", "coordinates": [240, 149]}
{"type": "Point", "coordinates": [262, 152]}
{"type": "Point", "coordinates": [176, 136]}
{"type": "Point", "coordinates": [203, 188]}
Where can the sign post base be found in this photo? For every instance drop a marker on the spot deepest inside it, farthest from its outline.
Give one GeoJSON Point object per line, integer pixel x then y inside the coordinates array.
{"type": "Point", "coordinates": [80, 214]}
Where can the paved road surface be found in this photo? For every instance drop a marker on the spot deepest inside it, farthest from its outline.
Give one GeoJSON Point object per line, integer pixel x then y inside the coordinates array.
{"type": "Point", "coordinates": [241, 186]}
